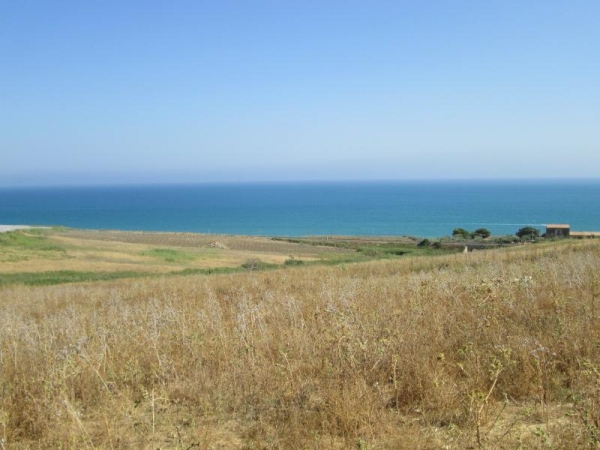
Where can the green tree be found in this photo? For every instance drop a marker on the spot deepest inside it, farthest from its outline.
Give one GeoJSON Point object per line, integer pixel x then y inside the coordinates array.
{"type": "Point", "coordinates": [528, 232]}
{"type": "Point", "coordinates": [461, 232]}
{"type": "Point", "coordinates": [483, 232]}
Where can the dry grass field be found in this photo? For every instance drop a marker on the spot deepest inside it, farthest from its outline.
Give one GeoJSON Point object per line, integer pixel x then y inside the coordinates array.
{"type": "Point", "coordinates": [255, 244]}
{"type": "Point", "coordinates": [258, 244]}
{"type": "Point", "coordinates": [58, 255]}
{"type": "Point", "coordinates": [35, 256]}
{"type": "Point", "coordinates": [491, 349]}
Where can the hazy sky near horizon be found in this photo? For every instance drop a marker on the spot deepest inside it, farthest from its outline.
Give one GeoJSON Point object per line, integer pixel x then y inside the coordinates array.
{"type": "Point", "coordinates": [197, 91]}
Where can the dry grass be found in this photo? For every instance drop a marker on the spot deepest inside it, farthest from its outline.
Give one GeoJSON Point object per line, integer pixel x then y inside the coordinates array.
{"type": "Point", "coordinates": [497, 349]}
{"type": "Point", "coordinates": [254, 244]}
{"type": "Point", "coordinates": [111, 251]}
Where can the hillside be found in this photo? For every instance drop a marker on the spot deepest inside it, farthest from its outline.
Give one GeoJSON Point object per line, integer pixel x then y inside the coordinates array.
{"type": "Point", "coordinates": [57, 255]}
{"type": "Point", "coordinates": [491, 349]}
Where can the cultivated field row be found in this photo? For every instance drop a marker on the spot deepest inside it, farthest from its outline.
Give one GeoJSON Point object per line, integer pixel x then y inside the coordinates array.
{"type": "Point", "coordinates": [234, 242]}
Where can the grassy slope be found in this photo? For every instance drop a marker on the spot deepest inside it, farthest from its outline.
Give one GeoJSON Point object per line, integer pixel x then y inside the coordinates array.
{"type": "Point", "coordinates": [44, 257]}
{"type": "Point", "coordinates": [496, 349]}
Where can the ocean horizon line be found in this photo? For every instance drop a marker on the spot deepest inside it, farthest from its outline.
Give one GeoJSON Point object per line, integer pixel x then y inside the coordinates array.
{"type": "Point", "coordinates": [298, 182]}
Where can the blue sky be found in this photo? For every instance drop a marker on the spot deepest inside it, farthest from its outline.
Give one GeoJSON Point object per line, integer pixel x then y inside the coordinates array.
{"type": "Point", "coordinates": [178, 91]}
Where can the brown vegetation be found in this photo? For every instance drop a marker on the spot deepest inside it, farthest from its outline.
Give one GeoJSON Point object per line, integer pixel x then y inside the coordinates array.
{"type": "Point", "coordinates": [256, 244]}
{"type": "Point", "coordinates": [151, 253]}
{"type": "Point", "coordinates": [493, 349]}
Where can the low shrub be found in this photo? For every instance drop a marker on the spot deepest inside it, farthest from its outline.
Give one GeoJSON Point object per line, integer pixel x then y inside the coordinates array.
{"type": "Point", "coordinates": [253, 264]}
{"type": "Point", "coordinates": [293, 262]}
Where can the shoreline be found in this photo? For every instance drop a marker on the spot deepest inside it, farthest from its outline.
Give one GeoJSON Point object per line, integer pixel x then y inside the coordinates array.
{"type": "Point", "coordinates": [8, 228]}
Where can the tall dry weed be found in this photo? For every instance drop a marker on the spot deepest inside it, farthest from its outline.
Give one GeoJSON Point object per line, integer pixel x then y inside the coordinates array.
{"type": "Point", "coordinates": [422, 352]}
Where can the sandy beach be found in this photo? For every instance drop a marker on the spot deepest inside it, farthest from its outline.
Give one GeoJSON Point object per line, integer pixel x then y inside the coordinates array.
{"type": "Point", "coordinates": [7, 228]}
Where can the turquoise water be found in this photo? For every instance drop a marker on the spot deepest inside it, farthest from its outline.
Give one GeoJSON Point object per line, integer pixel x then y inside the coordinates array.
{"type": "Point", "coordinates": [419, 208]}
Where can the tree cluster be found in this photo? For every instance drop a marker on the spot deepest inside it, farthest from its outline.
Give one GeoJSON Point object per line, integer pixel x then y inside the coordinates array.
{"type": "Point", "coordinates": [466, 234]}
{"type": "Point", "coordinates": [528, 232]}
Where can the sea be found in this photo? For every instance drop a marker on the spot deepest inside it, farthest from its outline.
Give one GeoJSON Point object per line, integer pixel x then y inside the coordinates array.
{"type": "Point", "coordinates": [383, 208]}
